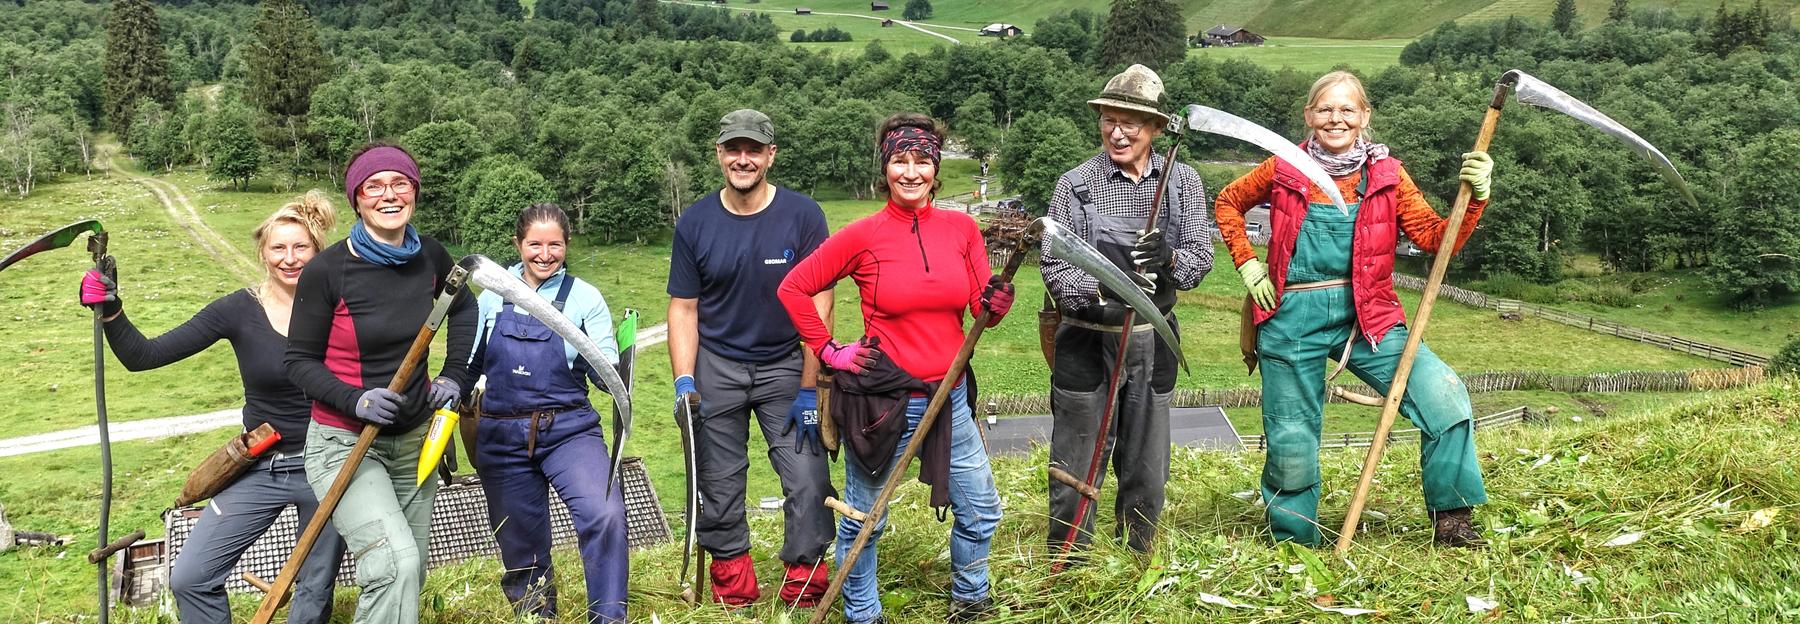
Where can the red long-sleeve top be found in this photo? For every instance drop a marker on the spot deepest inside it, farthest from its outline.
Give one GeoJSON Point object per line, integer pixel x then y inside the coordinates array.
{"type": "Point", "coordinates": [918, 271]}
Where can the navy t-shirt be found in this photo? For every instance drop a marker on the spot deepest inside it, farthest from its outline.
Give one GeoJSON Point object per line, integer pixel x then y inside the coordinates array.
{"type": "Point", "coordinates": [734, 263]}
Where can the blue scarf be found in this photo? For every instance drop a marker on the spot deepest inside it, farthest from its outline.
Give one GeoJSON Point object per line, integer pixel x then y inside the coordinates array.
{"type": "Point", "coordinates": [365, 245]}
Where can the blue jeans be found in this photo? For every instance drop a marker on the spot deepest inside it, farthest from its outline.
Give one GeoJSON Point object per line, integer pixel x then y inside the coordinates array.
{"type": "Point", "coordinates": [974, 501]}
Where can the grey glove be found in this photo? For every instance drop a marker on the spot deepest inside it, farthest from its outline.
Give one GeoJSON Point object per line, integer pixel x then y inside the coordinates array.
{"type": "Point", "coordinates": [443, 391]}
{"type": "Point", "coordinates": [378, 406]}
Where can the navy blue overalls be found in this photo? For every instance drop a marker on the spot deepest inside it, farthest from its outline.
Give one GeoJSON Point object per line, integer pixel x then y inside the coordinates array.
{"type": "Point", "coordinates": [537, 429]}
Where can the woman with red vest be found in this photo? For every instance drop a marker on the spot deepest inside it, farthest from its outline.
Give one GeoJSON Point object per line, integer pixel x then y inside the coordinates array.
{"type": "Point", "coordinates": [1328, 288]}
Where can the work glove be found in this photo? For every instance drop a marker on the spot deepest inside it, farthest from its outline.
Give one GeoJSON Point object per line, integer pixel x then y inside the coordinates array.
{"type": "Point", "coordinates": [1152, 254]}
{"type": "Point", "coordinates": [443, 391]}
{"type": "Point", "coordinates": [378, 406]}
{"type": "Point", "coordinates": [857, 357]}
{"type": "Point", "coordinates": [1256, 278]}
{"type": "Point", "coordinates": [1478, 171]}
{"type": "Point", "coordinates": [1144, 281]}
{"type": "Point", "coordinates": [804, 416]}
{"type": "Point", "coordinates": [684, 385]}
{"type": "Point", "coordinates": [101, 293]}
{"type": "Point", "coordinates": [996, 299]}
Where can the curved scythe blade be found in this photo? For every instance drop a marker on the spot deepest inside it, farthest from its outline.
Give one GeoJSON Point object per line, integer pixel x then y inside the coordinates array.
{"type": "Point", "coordinates": [57, 239]}
{"type": "Point", "coordinates": [1530, 90]}
{"type": "Point", "coordinates": [1209, 119]}
{"type": "Point", "coordinates": [496, 279]}
{"type": "Point", "coordinates": [1065, 245]}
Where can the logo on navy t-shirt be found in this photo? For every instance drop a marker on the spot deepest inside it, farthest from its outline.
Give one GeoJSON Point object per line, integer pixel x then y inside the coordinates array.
{"type": "Point", "coordinates": [787, 256]}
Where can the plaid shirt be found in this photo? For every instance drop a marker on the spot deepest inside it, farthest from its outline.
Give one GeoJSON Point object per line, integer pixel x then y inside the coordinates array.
{"type": "Point", "coordinates": [1116, 195]}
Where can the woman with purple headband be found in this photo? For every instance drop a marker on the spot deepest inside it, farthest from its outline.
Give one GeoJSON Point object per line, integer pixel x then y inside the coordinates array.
{"type": "Point", "coordinates": [358, 308]}
{"type": "Point", "coordinates": [921, 272]}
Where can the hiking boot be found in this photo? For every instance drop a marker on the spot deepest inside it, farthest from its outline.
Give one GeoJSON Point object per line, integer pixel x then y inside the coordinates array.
{"type": "Point", "coordinates": [1452, 527]}
{"type": "Point", "coordinates": [970, 610]}
{"type": "Point", "coordinates": [803, 584]}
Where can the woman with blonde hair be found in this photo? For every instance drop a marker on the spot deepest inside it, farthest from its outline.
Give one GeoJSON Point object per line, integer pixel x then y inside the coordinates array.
{"type": "Point", "coordinates": [255, 321]}
{"type": "Point", "coordinates": [1328, 292]}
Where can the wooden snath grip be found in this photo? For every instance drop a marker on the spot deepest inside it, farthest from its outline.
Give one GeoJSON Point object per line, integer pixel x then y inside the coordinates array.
{"type": "Point", "coordinates": [1063, 477]}
{"type": "Point", "coordinates": [844, 509]}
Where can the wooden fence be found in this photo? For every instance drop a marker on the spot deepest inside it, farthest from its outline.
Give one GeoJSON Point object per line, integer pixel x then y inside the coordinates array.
{"type": "Point", "coordinates": [1363, 439]}
{"type": "Point", "coordinates": [1463, 296]}
{"type": "Point", "coordinates": [1628, 381]}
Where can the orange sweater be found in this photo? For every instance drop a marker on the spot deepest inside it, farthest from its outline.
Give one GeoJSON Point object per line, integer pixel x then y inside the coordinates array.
{"type": "Point", "coordinates": [1416, 217]}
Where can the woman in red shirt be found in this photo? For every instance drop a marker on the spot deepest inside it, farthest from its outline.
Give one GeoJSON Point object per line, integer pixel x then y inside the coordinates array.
{"type": "Point", "coordinates": [918, 270]}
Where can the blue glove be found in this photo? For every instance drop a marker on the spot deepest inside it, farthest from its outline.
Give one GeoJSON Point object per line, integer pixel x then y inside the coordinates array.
{"type": "Point", "coordinates": [684, 385]}
{"type": "Point", "coordinates": [804, 415]}
{"type": "Point", "coordinates": [378, 406]}
{"type": "Point", "coordinates": [443, 391]}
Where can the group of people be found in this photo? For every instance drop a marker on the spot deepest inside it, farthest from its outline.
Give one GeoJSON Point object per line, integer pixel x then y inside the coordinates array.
{"type": "Point", "coordinates": [751, 328]}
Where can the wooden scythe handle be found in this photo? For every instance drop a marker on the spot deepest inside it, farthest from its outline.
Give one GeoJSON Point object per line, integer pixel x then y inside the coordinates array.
{"type": "Point", "coordinates": [897, 471]}
{"type": "Point", "coordinates": [278, 591]}
{"type": "Point", "coordinates": [1416, 332]}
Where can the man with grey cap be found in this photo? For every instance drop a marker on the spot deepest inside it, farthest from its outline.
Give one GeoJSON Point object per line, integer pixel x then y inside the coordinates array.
{"type": "Point", "coordinates": [731, 343]}
{"type": "Point", "coordinates": [1107, 200]}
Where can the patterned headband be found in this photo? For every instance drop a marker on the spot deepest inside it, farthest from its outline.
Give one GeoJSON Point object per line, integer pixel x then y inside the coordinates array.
{"type": "Point", "coordinates": [909, 139]}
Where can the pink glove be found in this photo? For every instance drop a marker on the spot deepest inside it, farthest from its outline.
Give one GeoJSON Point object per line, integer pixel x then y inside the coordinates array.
{"type": "Point", "coordinates": [856, 358]}
{"type": "Point", "coordinates": [100, 293]}
{"type": "Point", "coordinates": [997, 300]}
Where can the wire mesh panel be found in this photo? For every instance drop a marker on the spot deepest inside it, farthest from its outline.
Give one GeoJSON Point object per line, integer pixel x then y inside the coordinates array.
{"type": "Point", "coordinates": [459, 528]}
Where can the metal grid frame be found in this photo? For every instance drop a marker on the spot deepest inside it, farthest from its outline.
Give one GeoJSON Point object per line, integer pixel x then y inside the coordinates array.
{"type": "Point", "coordinates": [459, 530]}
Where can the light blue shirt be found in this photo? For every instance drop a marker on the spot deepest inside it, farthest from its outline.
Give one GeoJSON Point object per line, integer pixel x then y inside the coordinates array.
{"type": "Point", "coordinates": [584, 306]}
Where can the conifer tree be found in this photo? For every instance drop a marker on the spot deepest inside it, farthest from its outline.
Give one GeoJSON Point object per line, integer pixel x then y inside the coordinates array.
{"type": "Point", "coordinates": [1151, 32]}
{"type": "Point", "coordinates": [1563, 18]}
{"type": "Point", "coordinates": [135, 68]}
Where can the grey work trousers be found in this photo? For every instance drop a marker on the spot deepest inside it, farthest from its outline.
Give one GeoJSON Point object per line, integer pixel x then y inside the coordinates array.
{"type": "Point", "coordinates": [729, 392]}
{"type": "Point", "coordinates": [1138, 445]}
{"type": "Point", "coordinates": [232, 521]}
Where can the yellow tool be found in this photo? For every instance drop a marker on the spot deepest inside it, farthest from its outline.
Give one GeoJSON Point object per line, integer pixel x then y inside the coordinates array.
{"type": "Point", "coordinates": [443, 426]}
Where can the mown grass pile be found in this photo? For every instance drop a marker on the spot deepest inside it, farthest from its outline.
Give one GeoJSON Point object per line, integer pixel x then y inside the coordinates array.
{"type": "Point", "coordinates": [1682, 514]}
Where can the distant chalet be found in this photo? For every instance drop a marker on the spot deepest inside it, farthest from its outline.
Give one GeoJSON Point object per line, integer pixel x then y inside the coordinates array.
{"type": "Point", "coordinates": [1224, 35]}
{"type": "Point", "coordinates": [1001, 30]}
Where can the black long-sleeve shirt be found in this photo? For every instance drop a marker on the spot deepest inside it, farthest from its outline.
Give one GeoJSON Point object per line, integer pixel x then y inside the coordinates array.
{"type": "Point", "coordinates": [353, 323]}
{"type": "Point", "coordinates": [238, 318]}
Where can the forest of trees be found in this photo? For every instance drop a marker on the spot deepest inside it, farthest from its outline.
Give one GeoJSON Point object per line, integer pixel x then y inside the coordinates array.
{"type": "Point", "coordinates": [609, 107]}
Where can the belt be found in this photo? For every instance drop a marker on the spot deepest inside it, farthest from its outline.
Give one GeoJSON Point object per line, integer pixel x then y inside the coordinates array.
{"type": "Point", "coordinates": [540, 420]}
{"type": "Point", "coordinates": [1319, 285]}
{"type": "Point", "coordinates": [1111, 329]}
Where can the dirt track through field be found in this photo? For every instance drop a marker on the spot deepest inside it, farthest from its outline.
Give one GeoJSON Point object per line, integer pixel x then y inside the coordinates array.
{"type": "Point", "coordinates": [184, 214]}
{"type": "Point", "coordinates": [181, 425]}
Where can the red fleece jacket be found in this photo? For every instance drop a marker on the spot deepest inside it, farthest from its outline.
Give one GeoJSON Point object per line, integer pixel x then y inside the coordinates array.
{"type": "Point", "coordinates": [918, 272]}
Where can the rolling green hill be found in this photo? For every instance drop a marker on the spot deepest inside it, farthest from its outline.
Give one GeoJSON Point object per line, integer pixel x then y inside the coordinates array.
{"type": "Point", "coordinates": [1334, 19]}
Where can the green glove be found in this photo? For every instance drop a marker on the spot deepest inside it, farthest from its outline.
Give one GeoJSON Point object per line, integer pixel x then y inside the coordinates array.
{"type": "Point", "coordinates": [1478, 171]}
{"type": "Point", "coordinates": [1256, 278]}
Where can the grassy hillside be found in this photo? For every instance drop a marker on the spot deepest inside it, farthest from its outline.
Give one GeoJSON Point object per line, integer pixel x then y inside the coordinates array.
{"type": "Point", "coordinates": [1333, 19]}
{"type": "Point", "coordinates": [1311, 55]}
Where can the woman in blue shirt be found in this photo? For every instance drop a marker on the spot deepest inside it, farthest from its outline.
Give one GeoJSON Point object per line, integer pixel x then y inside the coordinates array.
{"type": "Point", "coordinates": [538, 430]}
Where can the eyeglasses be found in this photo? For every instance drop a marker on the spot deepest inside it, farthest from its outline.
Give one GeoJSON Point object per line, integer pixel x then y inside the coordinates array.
{"type": "Point", "coordinates": [372, 190]}
{"type": "Point", "coordinates": [1128, 127]}
{"type": "Point", "coordinates": [1345, 112]}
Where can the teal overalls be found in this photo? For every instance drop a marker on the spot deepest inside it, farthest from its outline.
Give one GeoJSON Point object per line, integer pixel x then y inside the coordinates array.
{"type": "Point", "coordinates": [1314, 324]}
